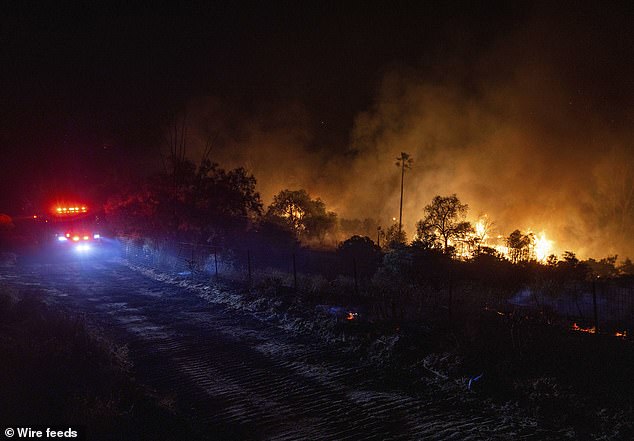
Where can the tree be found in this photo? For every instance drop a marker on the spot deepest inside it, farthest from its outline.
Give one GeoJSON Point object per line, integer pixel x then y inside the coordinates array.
{"type": "Point", "coordinates": [605, 267]}
{"type": "Point", "coordinates": [570, 268]}
{"type": "Point", "coordinates": [197, 203]}
{"type": "Point", "coordinates": [394, 237]}
{"type": "Point", "coordinates": [404, 162]}
{"type": "Point", "coordinates": [519, 246]}
{"type": "Point", "coordinates": [305, 216]}
{"type": "Point", "coordinates": [444, 222]}
{"type": "Point", "coordinates": [481, 232]}
{"type": "Point", "coordinates": [627, 267]}
{"type": "Point", "coordinates": [361, 251]}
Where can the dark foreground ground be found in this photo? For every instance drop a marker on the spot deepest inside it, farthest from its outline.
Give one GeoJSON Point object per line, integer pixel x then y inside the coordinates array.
{"type": "Point", "coordinates": [220, 374]}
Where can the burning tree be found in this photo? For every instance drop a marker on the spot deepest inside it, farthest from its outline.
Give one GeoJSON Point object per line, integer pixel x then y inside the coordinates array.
{"type": "Point", "coordinates": [444, 225]}
{"type": "Point", "coordinates": [481, 232]}
{"type": "Point", "coordinates": [305, 216]}
{"type": "Point", "coordinates": [519, 246]}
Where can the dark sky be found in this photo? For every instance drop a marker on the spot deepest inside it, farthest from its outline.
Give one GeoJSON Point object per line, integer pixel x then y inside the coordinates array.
{"type": "Point", "coordinates": [90, 86]}
{"type": "Point", "coordinates": [87, 94]}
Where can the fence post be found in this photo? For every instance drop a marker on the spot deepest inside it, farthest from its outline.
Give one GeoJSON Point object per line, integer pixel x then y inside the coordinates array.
{"type": "Point", "coordinates": [450, 306]}
{"type": "Point", "coordinates": [356, 280]}
{"type": "Point", "coordinates": [594, 304]}
{"type": "Point", "coordinates": [249, 264]}
{"type": "Point", "coordinates": [294, 274]}
{"type": "Point", "coordinates": [193, 264]}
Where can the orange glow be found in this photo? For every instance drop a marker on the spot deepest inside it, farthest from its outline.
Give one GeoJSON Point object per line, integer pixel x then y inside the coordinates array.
{"type": "Point", "coordinates": [543, 247]}
{"type": "Point", "coordinates": [67, 234]}
{"type": "Point", "coordinates": [75, 238]}
{"type": "Point", "coordinates": [70, 209]}
{"type": "Point", "coordinates": [86, 237]}
{"type": "Point", "coordinates": [591, 330]}
{"type": "Point", "coordinates": [621, 334]}
{"type": "Point", "coordinates": [352, 316]}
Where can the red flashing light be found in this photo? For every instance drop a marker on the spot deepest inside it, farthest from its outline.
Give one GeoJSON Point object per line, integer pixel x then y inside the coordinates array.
{"type": "Point", "coordinates": [71, 210]}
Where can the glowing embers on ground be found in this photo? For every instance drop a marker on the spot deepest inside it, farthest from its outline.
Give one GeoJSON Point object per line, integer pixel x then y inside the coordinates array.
{"type": "Point", "coordinates": [593, 330]}
{"type": "Point", "coordinates": [352, 315]}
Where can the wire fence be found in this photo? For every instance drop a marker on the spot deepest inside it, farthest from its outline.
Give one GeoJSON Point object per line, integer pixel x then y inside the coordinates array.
{"type": "Point", "coordinates": [600, 305]}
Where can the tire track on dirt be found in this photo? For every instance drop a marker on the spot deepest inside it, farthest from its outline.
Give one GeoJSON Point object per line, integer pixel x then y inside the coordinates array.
{"type": "Point", "coordinates": [238, 378]}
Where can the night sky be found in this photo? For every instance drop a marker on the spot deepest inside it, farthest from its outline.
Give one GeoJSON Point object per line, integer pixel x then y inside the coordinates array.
{"type": "Point", "coordinates": [88, 94]}
{"type": "Point", "coordinates": [82, 81]}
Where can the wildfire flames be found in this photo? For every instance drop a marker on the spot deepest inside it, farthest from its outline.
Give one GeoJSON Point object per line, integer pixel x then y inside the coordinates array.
{"type": "Point", "coordinates": [578, 328]}
{"type": "Point", "coordinates": [540, 247]}
{"type": "Point", "coordinates": [543, 247]}
{"type": "Point", "coordinates": [592, 330]}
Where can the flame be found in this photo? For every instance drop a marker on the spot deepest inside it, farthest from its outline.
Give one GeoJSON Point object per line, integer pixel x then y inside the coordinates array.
{"type": "Point", "coordinates": [622, 334]}
{"type": "Point", "coordinates": [481, 230]}
{"type": "Point", "coordinates": [543, 247]}
{"type": "Point", "coordinates": [591, 330]}
{"type": "Point", "coordinates": [352, 316]}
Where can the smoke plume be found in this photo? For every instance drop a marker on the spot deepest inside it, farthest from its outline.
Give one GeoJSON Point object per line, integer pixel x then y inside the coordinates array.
{"type": "Point", "coordinates": [534, 132]}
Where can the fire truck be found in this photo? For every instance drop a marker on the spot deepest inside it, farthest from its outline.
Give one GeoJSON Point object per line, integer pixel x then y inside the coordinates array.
{"type": "Point", "coordinates": [74, 226]}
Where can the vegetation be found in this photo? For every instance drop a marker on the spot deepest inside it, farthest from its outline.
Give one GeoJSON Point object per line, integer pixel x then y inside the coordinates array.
{"type": "Point", "coordinates": [444, 224]}
{"type": "Point", "coordinates": [201, 203]}
{"type": "Point", "coordinates": [307, 218]}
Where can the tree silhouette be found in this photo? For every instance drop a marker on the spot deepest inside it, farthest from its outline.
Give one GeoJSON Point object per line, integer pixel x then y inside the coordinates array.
{"type": "Point", "coordinates": [519, 246]}
{"type": "Point", "coordinates": [190, 202]}
{"type": "Point", "coordinates": [404, 162]}
{"type": "Point", "coordinates": [361, 250]}
{"type": "Point", "coordinates": [444, 222]}
{"type": "Point", "coordinates": [305, 216]}
{"type": "Point", "coordinates": [394, 237]}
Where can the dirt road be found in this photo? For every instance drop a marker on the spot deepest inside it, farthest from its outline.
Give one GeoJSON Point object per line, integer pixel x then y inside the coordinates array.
{"type": "Point", "coordinates": [236, 377]}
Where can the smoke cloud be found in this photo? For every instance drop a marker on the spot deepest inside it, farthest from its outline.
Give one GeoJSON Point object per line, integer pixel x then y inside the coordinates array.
{"type": "Point", "coordinates": [534, 132]}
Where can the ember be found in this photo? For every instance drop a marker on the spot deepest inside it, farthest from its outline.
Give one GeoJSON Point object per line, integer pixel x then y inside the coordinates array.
{"type": "Point", "coordinates": [591, 330]}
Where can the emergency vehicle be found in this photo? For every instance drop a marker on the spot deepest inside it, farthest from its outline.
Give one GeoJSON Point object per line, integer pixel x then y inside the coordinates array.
{"type": "Point", "coordinates": [74, 226]}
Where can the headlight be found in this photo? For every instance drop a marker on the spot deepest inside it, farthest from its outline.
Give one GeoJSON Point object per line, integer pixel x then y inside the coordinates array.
{"type": "Point", "coordinates": [96, 236]}
{"type": "Point", "coordinates": [62, 238]}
